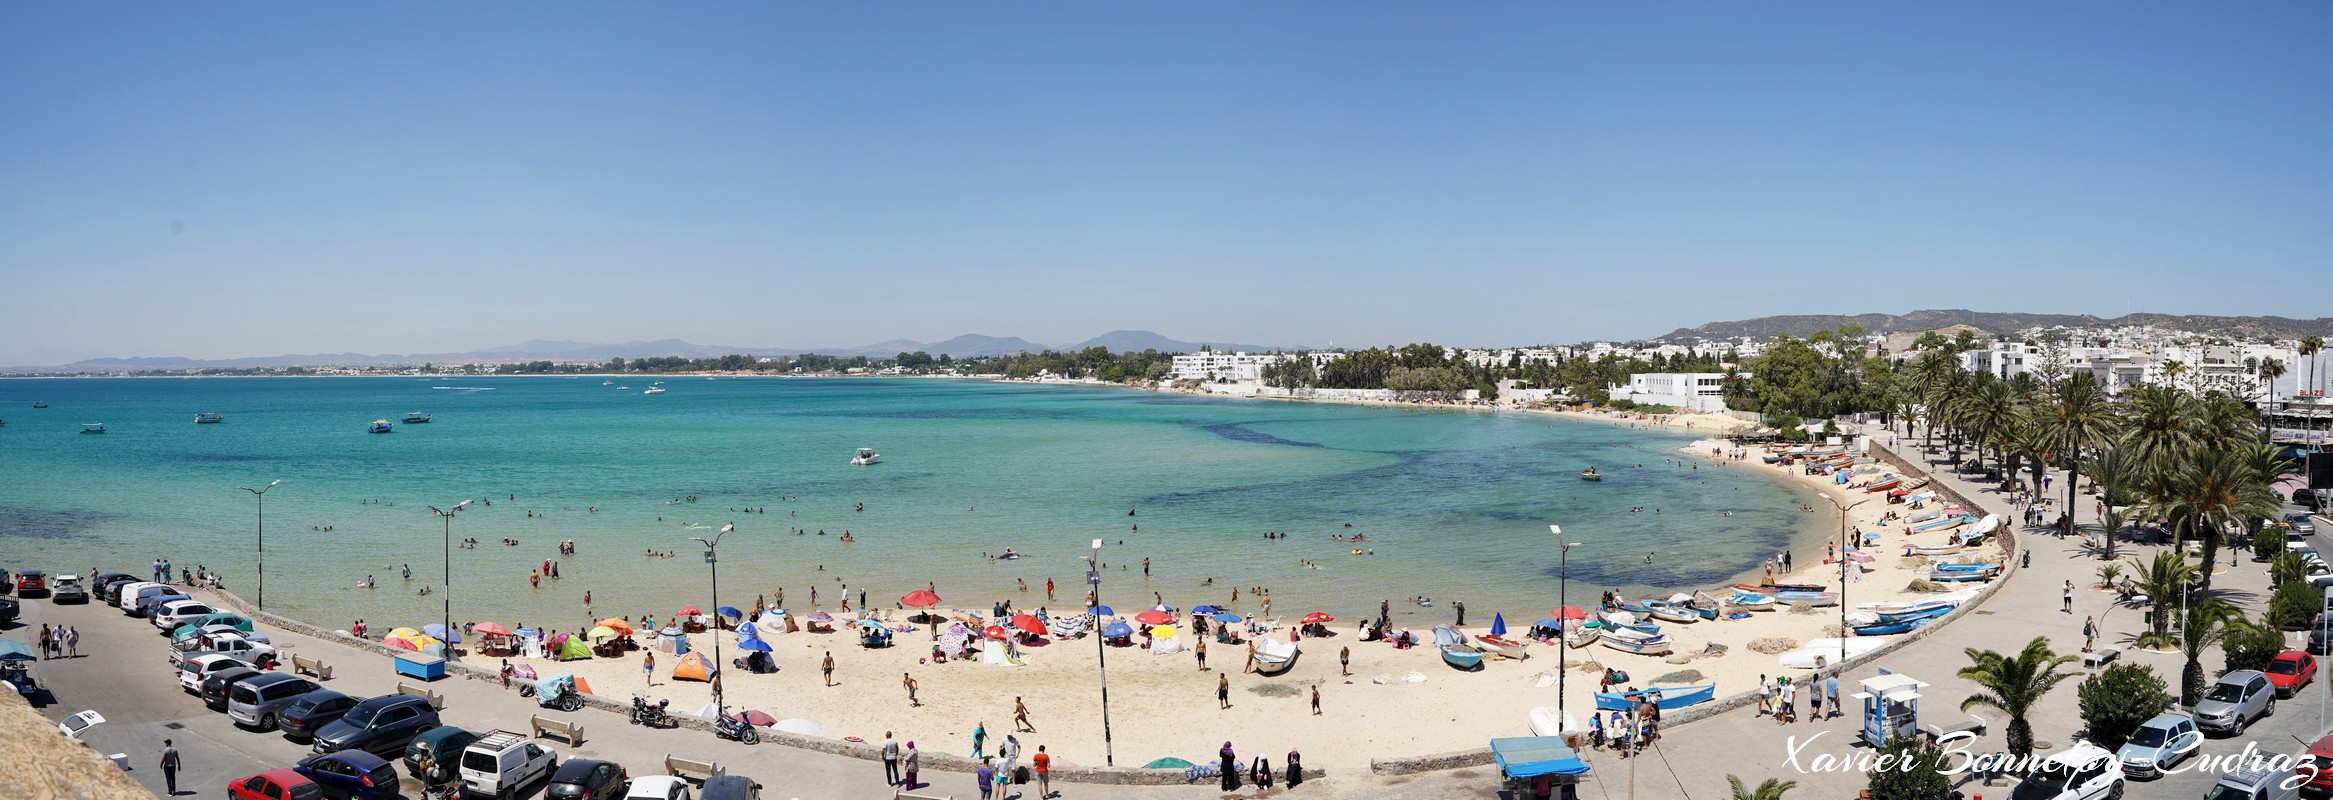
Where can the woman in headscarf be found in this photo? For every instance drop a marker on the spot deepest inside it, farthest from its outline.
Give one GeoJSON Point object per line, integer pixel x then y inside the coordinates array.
{"type": "Point", "coordinates": [1263, 773]}
{"type": "Point", "coordinates": [908, 762]}
{"type": "Point", "coordinates": [1295, 767]}
{"type": "Point", "coordinates": [1230, 768]}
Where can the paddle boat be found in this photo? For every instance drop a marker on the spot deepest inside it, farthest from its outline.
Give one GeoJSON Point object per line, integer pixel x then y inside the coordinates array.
{"type": "Point", "coordinates": [1666, 698]}
{"type": "Point", "coordinates": [380, 426]}
{"type": "Point", "coordinates": [208, 418]}
{"type": "Point", "coordinates": [1638, 642]}
{"type": "Point", "coordinates": [1456, 650]}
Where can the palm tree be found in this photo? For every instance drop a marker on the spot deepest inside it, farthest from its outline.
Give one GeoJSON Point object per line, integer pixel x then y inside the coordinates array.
{"type": "Point", "coordinates": [2108, 574]}
{"type": "Point", "coordinates": [2115, 471]}
{"type": "Point", "coordinates": [1771, 789]}
{"type": "Point", "coordinates": [2162, 579]}
{"type": "Point", "coordinates": [2310, 347]}
{"type": "Point", "coordinates": [2077, 417]}
{"type": "Point", "coordinates": [2203, 624]}
{"type": "Point", "coordinates": [2031, 445]}
{"type": "Point", "coordinates": [2208, 492]}
{"type": "Point", "coordinates": [2014, 685]}
{"type": "Point", "coordinates": [2270, 370]}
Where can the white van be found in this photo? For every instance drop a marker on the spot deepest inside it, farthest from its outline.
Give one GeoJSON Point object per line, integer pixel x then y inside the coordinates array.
{"type": "Point", "coordinates": [500, 762]}
{"type": "Point", "coordinates": [126, 597]}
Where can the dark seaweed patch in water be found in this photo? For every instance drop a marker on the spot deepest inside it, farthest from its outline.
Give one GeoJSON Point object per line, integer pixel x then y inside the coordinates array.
{"type": "Point", "coordinates": [1233, 431]}
{"type": "Point", "coordinates": [44, 523]}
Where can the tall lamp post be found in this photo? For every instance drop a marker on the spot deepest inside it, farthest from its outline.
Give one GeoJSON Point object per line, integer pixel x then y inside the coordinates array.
{"type": "Point", "coordinates": [1562, 607]}
{"type": "Point", "coordinates": [714, 562]}
{"type": "Point", "coordinates": [448, 515]}
{"type": "Point", "coordinates": [1093, 578]}
{"type": "Point", "coordinates": [261, 493]}
{"type": "Point", "coordinates": [1843, 562]}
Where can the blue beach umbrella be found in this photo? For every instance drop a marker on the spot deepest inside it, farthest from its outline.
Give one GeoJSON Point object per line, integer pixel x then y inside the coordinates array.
{"type": "Point", "coordinates": [1204, 609]}
{"type": "Point", "coordinates": [1102, 611]}
{"type": "Point", "coordinates": [1498, 624]}
{"type": "Point", "coordinates": [1117, 629]}
{"type": "Point", "coordinates": [1227, 617]}
{"type": "Point", "coordinates": [730, 612]}
{"type": "Point", "coordinates": [751, 644]}
{"type": "Point", "coordinates": [439, 632]}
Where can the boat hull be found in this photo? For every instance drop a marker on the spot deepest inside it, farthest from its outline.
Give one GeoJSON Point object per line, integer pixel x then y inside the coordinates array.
{"type": "Point", "coordinates": [1466, 659]}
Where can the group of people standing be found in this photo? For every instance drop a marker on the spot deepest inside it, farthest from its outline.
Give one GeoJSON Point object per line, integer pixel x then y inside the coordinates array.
{"type": "Point", "coordinates": [1258, 772]}
{"type": "Point", "coordinates": [60, 642]}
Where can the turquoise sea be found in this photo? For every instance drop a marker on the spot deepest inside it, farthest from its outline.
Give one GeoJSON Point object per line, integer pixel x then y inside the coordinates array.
{"type": "Point", "coordinates": [1454, 504]}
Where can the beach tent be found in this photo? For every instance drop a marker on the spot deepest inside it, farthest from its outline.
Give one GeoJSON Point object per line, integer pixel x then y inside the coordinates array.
{"type": "Point", "coordinates": [671, 641]}
{"type": "Point", "coordinates": [993, 654]}
{"type": "Point", "coordinates": [694, 667]}
{"type": "Point", "coordinates": [573, 649]}
{"type": "Point", "coordinates": [1165, 643]}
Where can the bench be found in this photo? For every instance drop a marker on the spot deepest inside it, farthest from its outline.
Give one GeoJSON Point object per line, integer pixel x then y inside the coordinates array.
{"type": "Point", "coordinates": [904, 794]}
{"type": "Point", "coordinates": [304, 664]}
{"type": "Point", "coordinates": [1974, 725]}
{"type": "Point", "coordinates": [436, 700]}
{"type": "Point", "coordinates": [2098, 658]}
{"type": "Point", "coordinates": [570, 731]}
{"type": "Point", "coordinates": [691, 770]}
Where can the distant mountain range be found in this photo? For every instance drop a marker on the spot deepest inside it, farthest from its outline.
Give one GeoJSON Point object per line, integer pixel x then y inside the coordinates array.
{"type": "Point", "coordinates": [2004, 322]}
{"type": "Point", "coordinates": [970, 345]}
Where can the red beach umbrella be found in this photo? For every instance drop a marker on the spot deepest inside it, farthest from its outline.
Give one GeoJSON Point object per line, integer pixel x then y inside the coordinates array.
{"type": "Point", "coordinates": [1318, 617]}
{"type": "Point", "coordinates": [920, 599]}
{"type": "Point", "coordinates": [400, 644]}
{"type": "Point", "coordinates": [994, 632]}
{"type": "Point", "coordinates": [1028, 623]}
{"type": "Point", "coordinates": [1571, 612]}
{"type": "Point", "coordinates": [689, 611]}
{"type": "Point", "coordinates": [490, 629]}
{"type": "Point", "coordinates": [1154, 617]}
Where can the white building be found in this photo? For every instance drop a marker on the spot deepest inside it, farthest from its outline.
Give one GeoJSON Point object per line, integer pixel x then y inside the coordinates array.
{"type": "Point", "coordinates": [1695, 391]}
{"type": "Point", "coordinates": [2001, 359]}
{"type": "Point", "coordinates": [1239, 367]}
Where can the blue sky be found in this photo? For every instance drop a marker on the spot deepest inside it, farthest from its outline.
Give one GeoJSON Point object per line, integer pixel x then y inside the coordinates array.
{"type": "Point", "coordinates": [249, 180]}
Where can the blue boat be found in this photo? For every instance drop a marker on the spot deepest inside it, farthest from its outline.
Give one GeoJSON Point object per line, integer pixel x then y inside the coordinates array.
{"type": "Point", "coordinates": [1891, 628]}
{"type": "Point", "coordinates": [1969, 567]}
{"type": "Point", "coordinates": [381, 426]}
{"type": "Point", "coordinates": [1666, 699]}
{"type": "Point", "coordinates": [1456, 650]}
{"type": "Point", "coordinates": [1922, 610]}
{"type": "Point", "coordinates": [1629, 621]}
{"type": "Point", "coordinates": [1949, 576]}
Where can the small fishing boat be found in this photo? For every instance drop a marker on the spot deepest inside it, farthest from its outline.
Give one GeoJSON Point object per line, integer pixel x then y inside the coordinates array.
{"type": "Point", "coordinates": [1274, 655]}
{"type": "Point", "coordinates": [1932, 549]}
{"type": "Point", "coordinates": [1502, 647]}
{"type": "Point", "coordinates": [1456, 650]}
{"type": "Point", "coordinates": [1920, 610]}
{"type": "Point", "coordinates": [1666, 698]}
{"type": "Point", "coordinates": [1640, 643]}
{"type": "Point", "coordinates": [1945, 524]}
{"type": "Point", "coordinates": [654, 390]}
{"type": "Point", "coordinates": [1809, 598]}
{"type": "Point", "coordinates": [1665, 610]}
{"type": "Point", "coordinates": [1590, 474]}
{"type": "Point", "coordinates": [1704, 604]}
{"type": "Point", "coordinates": [40, 404]}
{"type": "Point", "coordinates": [1583, 636]}
{"type": "Point", "coordinates": [1952, 576]}
{"type": "Point", "coordinates": [208, 418]}
{"type": "Point", "coordinates": [867, 455]}
{"type": "Point", "coordinates": [381, 426]}
{"type": "Point", "coordinates": [1889, 628]}
{"type": "Point", "coordinates": [1750, 601]}
{"type": "Point", "coordinates": [1549, 721]}
{"type": "Point", "coordinates": [1921, 517]}
{"type": "Point", "coordinates": [416, 418]}
{"type": "Point", "coordinates": [93, 427]}
{"type": "Point", "coordinates": [1622, 620]}
{"type": "Point", "coordinates": [1883, 485]}
{"type": "Point", "coordinates": [607, 383]}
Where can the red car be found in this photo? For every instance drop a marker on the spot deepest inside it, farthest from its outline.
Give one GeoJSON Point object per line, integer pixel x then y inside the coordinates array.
{"type": "Point", "coordinates": [275, 784]}
{"type": "Point", "coordinates": [32, 582]}
{"type": "Point", "coordinates": [2320, 758]}
{"type": "Point", "coordinates": [2291, 670]}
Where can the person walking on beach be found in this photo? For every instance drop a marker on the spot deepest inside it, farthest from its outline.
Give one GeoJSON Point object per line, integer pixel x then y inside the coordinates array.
{"type": "Point", "coordinates": [826, 667]}
{"type": "Point", "coordinates": [1201, 650]}
{"type": "Point", "coordinates": [73, 642]}
{"type": "Point", "coordinates": [648, 667]}
{"type": "Point", "coordinates": [1345, 662]}
{"type": "Point", "coordinates": [1222, 692]}
{"type": "Point", "coordinates": [1020, 723]}
{"type": "Point", "coordinates": [979, 738]}
{"type": "Point", "coordinates": [1831, 694]}
{"type": "Point", "coordinates": [907, 681]}
{"type": "Point", "coordinates": [890, 760]}
{"type": "Point", "coordinates": [1042, 764]}
{"type": "Point", "coordinates": [169, 768]}
{"type": "Point", "coordinates": [1250, 666]}
{"type": "Point", "coordinates": [1316, 699]}
{"type": "Point", "coordinates": [1460, 605]}
{"type": "Point", "coordinates": [986, 775]}
{"type": "Point", "coordinates": [2068, 605]}
{"type": "Point", "coordinates": [1230, 768]}
{"type": "Point", "coordinates": [2089, 632]}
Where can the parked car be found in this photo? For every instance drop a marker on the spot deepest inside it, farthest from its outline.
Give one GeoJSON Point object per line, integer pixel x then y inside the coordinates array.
{"type": "Point", "coordinates": [588, 779]}
{"type": "Point", "coordinates": [2319, 760]}
{"type": "Point", "coordinates": [380, 725]}
{"type": "Point", "coordinates": [314, 710]}
{"type": "Point", "coordinates": [135, 601]}
{"type": "Point", "coordinates": [2239, 698]}
{"type": "Point", "coordinates": [32, 583]}
{"type": "Point", "coordinates": [260, 702]}
{"type": "Point", "coordinates": [443, 744]}
{"type": "Point", "coordinates": [106, 585]}
{"type": "Point", "coordinates": [352, 774]}
{"type": "Point", "coordinates": [739, 787]}
{"type": "Point", "coordinates": [2082, 772]}
{"type": "Point", "coordinates": [2158, 745]}
{"type": "Point", "coordinates": [2321, 633]}
{"type": "Point", "coordinates": [501, 762]}
{"type": "Point", "coordinates": [244, 650]}
{"type": "Point", "coordinates": [218, 684]}
{"type": "Point", "coordinates": [68, 589]}
{"type": "Point", "coordinates": [80, 723]}
{"type": "Point", "coordinates": [123, 594]}
{"type": "Point", "coordinates": [190, 638]}
{"type": "Point", "coordinates": [2290, 670]}
{"type": "Point", "coordinates": [2301, 524]}
{"type": "Point", "coordinates": [666, 787]}
{"type": "Point", "coordinates": [168, 616]}
{"type": "Point", "coordinates": [274, 784]}
{"type": "Point", "coordinates": [2257, 781]}
{"type": "Point", "coordinates": [10, 609]}
{"type": "Point", "coordinates": [193, 671]}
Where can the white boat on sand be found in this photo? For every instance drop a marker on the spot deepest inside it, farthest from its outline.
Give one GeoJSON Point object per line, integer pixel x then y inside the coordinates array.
{"type": "Point", "coordinates": [1274, 655]}
{"type": "Point", "coordinates": [1630, 641]}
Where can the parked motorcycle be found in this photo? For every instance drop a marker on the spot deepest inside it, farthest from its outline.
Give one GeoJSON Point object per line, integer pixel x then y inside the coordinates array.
{"type": "Point", "coordinates": [654, 716]}
{"type": "Point", "coordinates": [735, 727]}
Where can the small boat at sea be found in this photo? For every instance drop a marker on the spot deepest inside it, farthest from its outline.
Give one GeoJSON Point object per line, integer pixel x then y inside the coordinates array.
{"type": "Point", "coordinates": [1456, 650]}
{"type": "Point", "coordinates": [654, 390]}
{"type": "Point", "coordinates": [867, 455]}
{"type": "Point", "coordinates": [416, 418]}
{"type": "Point", "coordinates": [208, 418]}
{"type": "Point", "coordinates": [607, 383]}
{"type": "Point", "coordinates": [93, 427]}
{"type": "Point", "coordinates": [381, 426]}
{"type": "Point", "coordinates": [1809, 598]}
{"type": "Point", "coordinates": [1750, 601]}
{"type": "Point", "coordinates": [1666, 698]}
{"type": "Point", "coordinates": [1274, 655]}
{"type": "Point", "coordinates": [1590, 474]}
{"type": "Point", "coordinates": [1640, 643]}
{"type": "Point", "coordinates": [40, 404]}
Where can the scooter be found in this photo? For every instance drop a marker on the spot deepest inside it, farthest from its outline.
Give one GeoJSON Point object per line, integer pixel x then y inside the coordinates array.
{"type": "Point", "coordinates": [654, 716]}
{"type": "Point", "coordinates": [735, 727]}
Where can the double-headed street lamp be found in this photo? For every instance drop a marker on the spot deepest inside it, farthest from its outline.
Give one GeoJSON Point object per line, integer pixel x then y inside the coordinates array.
{"type": "Point", "coordinates": [1093, 578]}
{"type": "Point", "coordinates": [448, 514]}
{"type": "Point", "coordinates": [1562, 608]}
{"type": "Point", "coordinates": [261, 493]}
{"type": "Point", "coordinates": [1844, 561]}
{"type": "Point", "coordinates": [714, 561]}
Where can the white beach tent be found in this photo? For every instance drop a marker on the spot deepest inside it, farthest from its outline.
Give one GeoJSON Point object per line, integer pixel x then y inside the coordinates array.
{"type": "Point", "coordinates": [1166, 645]}
{"type": "Point", "coordinates": [993, 654]}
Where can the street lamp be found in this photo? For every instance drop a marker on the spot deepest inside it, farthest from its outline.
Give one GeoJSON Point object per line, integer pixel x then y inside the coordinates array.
{"type": "Point", "coordinates": [715, 563]}
{"type": "Point", "coordinates": [1093, 578]}
{"type": "Point", "coordinates": [261, 493]}
{"type": "Point", "coordinates": [448, 514]}
{"type": "Point", "coordinates": [1843, 562]}
{"type": "Point", "coordinates": [1562, 607]}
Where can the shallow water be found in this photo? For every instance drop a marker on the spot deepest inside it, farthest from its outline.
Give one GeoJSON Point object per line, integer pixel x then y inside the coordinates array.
{"type": "Point", "coordinates": [1454, 504]}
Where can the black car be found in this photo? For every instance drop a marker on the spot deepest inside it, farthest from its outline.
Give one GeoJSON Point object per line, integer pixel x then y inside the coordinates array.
{"type": "Point", "coordinates": [105, 586]}
{"type": "Point", "coordinates": [382, 726]}
{"type": "Point", "coordinates": [314, 710]}
{"type": "Point", "coordinates": [9, 609]}
{"type": "Point", "coordinates": [586, 779]}
{"type": "Point", "coordinates": [216, 687]}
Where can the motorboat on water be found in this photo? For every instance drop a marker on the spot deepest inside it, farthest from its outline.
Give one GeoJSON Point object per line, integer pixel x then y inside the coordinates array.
{"type": "Point", "coordinates": [1456, 650]}
{"type": "Point", "coordinates": [867, 455]}
{"type": "Point", "coordinates": [416, 418]}
{"type": "Point", "coordinates": [381, 426]}
{"type": "Point", "coordinates": [654, 390]}
{"type": "Point", "coordinates": [93, 427]}
{"type": "Point", "coordinates": [208, 418]}
{"type": "Point", "coordinates": [1274, 655]}
{"type": "Point", "coordinates": [1590, 474]}
{"type": "Point", "coordinates": [1638, 642]}
{"type": "Point", "coordinates": [607, 383]}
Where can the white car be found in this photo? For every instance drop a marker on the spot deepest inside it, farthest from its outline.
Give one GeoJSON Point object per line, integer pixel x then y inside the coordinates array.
{"type": "Point", "coordinates": [2082, 772]}
{"type": "Point", "coordinates": [236, 647]}
{"type": "Point", "coordinates": [192, 673]}
{"type": "Point", "coordinates": [78, 724]}
{"type": "Point", "coordinates": [658, 787]}
{"type": "Point", "coordinates": [124, 599]}
{"type": "Point", "coordinates": [170, 615]}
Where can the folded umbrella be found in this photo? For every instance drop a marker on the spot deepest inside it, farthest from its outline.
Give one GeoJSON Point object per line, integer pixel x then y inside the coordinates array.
{"type": "Point", "coordinates": [1498, 624]}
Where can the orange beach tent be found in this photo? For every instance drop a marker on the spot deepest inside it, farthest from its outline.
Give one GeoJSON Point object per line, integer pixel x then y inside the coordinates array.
{"type": "Point", "coordinates": [694, 667]}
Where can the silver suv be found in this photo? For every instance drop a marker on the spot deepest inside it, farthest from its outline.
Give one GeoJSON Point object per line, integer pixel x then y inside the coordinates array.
{"type": "Point", "coordinates": [2240, 697]}
{"type": "Point", "coordinates": [260, 702]}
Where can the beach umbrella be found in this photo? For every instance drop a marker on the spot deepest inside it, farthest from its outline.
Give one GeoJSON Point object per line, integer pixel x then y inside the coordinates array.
{"type": "Point", "coordinates": [402, 633]}
{"type": "Point", "coordinates": [1169, 762]}
{"type": "Point", "coordinates": [1571, 612]}
{"type": "Point", "coordinates": [1226, 617]}
{"type": "Point", "coordinates": [994, 632]}
{"type": "Point", "coordinates": [1154, 617]}
{"type": "Point", "coordinates": [490, 629]}
{"type": "Point", "coordinates": [1117, 629]}
{"type": "Point", "coordinates": [730, 612]}
{"type": "Point", "coordinates": [752, 644]}
{"type": "Point", "coordinates": [618, 624]}
{"type": "Point", "coordinates": [1100, 611]}
{"type": "Point", "coordinates": [820, 616]}
{"type": "Point", "coordinates": [1498, 624]}
{"type": "Point", "coordinates": [870, 623]}
{"type": "Point", "coordinates": [920, 598]}
{"type": "Point", "coordinates": [601, 632]}
{"type": "Point", "coordinates": [759, 719]}
{"type": "Point", "coordinates": [1163, 631]}
{"type": "Point", "coordinates": [1318, 617]}
{"type": "Point", "coordinates": [401, 644]}
{"type": "Point", "coordinates": [1028, 623]}
{"type": "Point", "coordinates": [440, 632]}
{"type": "Point", "coordinates": [688, 611]}
{"type": "Point", "coordinates": [1204, 609]}
{"type": "Point", "coordinates": [422, 642]}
